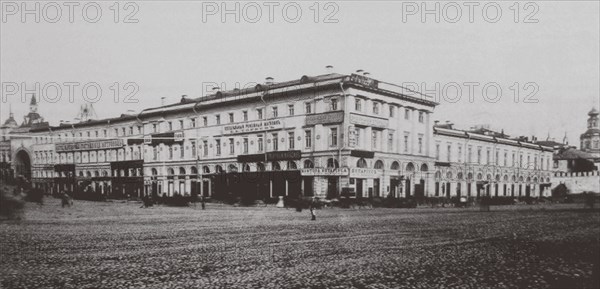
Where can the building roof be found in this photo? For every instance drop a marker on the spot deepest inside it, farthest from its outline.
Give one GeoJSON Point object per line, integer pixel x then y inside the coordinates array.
{"type": "Point", "coordinates": [304, 83]}
{"type": "Point", "coordinates": [593, 112]}
{"type": "Point", "coordinates": [572, 154]}
{"type": "Point", "coordinates": [551, 143]}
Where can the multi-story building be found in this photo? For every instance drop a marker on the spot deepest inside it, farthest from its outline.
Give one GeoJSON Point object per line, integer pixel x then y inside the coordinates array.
{"type": "Point", "coordinates": [323, 136]}
{"type": "Point", "coordinates": [483, 162]}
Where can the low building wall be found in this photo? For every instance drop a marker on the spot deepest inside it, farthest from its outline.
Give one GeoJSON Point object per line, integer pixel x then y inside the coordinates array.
{"type": "Point", "coordinates": [578, 182]}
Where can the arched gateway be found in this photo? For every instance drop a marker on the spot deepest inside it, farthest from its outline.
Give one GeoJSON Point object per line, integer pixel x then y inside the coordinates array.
{"type": "Point", "coordinates": [23, 165]}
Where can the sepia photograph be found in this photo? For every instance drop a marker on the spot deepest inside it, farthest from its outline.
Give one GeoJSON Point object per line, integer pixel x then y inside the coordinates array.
{"type": "Point", "coordinates": [299, 144]}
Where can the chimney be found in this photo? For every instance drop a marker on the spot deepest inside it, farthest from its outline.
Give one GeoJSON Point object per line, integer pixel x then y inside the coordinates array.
{"type": "Point", "coordinates": [436, 122]}
{"type": "Point", "coordinates": [367, 74]}
{"type": "Point", "coordinates": [329, 69]}
{"type": "Point", "coordinates": [360, 71]}
{"type": "Point", "coordinates": [215, 88]}
{"type": "Point", "coordinates": [183, 98]}
{"type": "Point", "coordinates": [269, 80]}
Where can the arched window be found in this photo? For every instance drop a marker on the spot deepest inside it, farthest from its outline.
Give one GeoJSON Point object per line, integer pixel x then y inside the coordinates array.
{"type": "Point", "coordinates": [438, 176]}
{"type": "Point", "coordinates": [378, 165]}
{"type": "Point", "coordinates": [395, 166]}
{"type": "Point", "coordinates": [332, 163]}
{"type": "Point", "coordinates": [182, 171]}
{"type": "Point", "coordinates": [246, 167]}
{"type": "Point", "coordinates": [308, 164]}
{"type": "Point", "coordinates": [361, 163]}
{"type": "Point", "coordinates": [410, 167]}
{"type": "Point", "coordinates": [206, 169]}
{"type": "Point", "coordinates": [171, 172]}
{"type": "Point", "coordinates": [194, 171]}
{"type": "Point", "coordinates": [260, 167]}
{"type": "Point", "coordinates": [218, 169]}
{"type": "Point", "coordinates": [291, 165]}
{"type": "Point", "coordinates": [459, 176]}
{"type": "Point", "coordinates": [154, 172]}
{"type": "Point", "coordinates": [232, 168]}
{"type": "Point", "coordinates": [275, 166]}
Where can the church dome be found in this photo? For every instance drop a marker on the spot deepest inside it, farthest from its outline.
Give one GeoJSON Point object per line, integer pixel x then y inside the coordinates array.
{"type": "Point", "coordinates": [593, 112]}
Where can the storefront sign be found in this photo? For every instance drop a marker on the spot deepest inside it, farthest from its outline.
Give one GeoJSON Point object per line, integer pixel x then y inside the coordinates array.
{"type": "Point", "coordinates": [366, 81]}
{"type": "Point", "coordinates": [363, 173]}
{"type": "Point", "coordinates": [368, 121]}
{"type": "Point", "coordinates": [270, 156]}
{"type": "Point", "coordinates": [325, 172]}
{"type": "Point", "coordinates": [93, 145]}
{"type": "Point", "coordinates": [253, 126]}
{"type": "Point", "coordinates": [325, 118]}
{"type": "Point", "coordinates": [362, 154]}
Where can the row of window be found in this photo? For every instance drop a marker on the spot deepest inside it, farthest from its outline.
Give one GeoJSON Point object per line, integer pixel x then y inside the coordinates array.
{"type": "Point", "coordinates": [539, 161]}
{"type": "Point", "coordinates": [375, 109]}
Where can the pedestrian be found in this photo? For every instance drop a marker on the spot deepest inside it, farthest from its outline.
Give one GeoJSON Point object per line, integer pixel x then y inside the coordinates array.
{"type": "Point", "coordinates": [313, 216]}
{"type": "Point", "coordinates": [202, 202]}
{"type": "Point", "coordinates": [65, 200]}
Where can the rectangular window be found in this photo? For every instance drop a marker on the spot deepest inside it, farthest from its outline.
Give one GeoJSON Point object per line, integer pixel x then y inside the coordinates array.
{"type": "Point", "coordinates": [205, 120]}
{"type": "Point", "coordinates": [218, 147]}
{"type": "Point", "coordinates": [275, 142]}
{"type": "Point", "coordinates": [420, 144]}
{"type": "Point", "coordinates": [193, 120]}
{"type": "Point", "coordinates": [333, 134]}
{"type": "Point", "coordinates": [291, 109]}
{"type": "Point", "coordinates": [460, 153]}
{"type": "Point", "coordinates": [123, 129]}
{"type": "Point", "coordinates": [390, 142]}
{"type": "Point", "coordinates": [275, 113]}
{"type": "Point", "coordinates": [218, 119]}
{"type": "Point", "coordinates": [375, 108]}
{"type": "Point", "coordinates": [308, 138]}
{"type": "Point", "coordinates": [260, 144]}
{"type": "Point", "coordinates": [421, 117]}
{"type": "Point", "coordinates": [205, 148]}
{"type": "Point", "coordinates": [116, 132]}
{"type": "Point", "coordinates": [497, 160]}
{"type": "Point", "coordinates": [469, 156]}
{"type": "Point", "coordinates": [155, 153]}
{"type": "Point", "coordinates": [193, 145]}
{"type": "Point", "coordinates": [104, 132]}
{"type": "Point", "coordinates": [307, 108]}
{"type": "Point", "coordinates": [437, 151]}
{"type": "Point", "coordinates": [488, 157]}
{"type": "Point", "coordinates": [358, 104]}
{"type": "Point", "coordinates": [170, 152]}
{"type": "Point", "coordinates": [231, 146]}
{"type": "Point", "coordinates": [505, 158]}
{"type": "Point", "coordinates": [291, 140]}
{"type": "Point", "coordinates": [449, 157]}
{"type": "Point", "coordinates": [170, 125]}
{"type": "Point", "coordinates": [231, 120]}
{"type": "Point", "coordinates": [407, 113]}
{"type": "Point", "coordinates": [181, 152]}
{"type": "Point", "coordinates": [259, 113]}
{"type": "Point", "coordinates": [245, 115]}
{"type": "Point", "coordinates": [96, 134]}
{"type": "Point", "coordinates": [392, 110]}
{"type": "Point", "coordinates": [334, 104]}
{"type": "Point", "coordinates": [245, 145]}
{"type": "Point", "coordinates": [181, 125]}
{"type": "Point", "coordinates": [374, 140]}
{"type": "Point", "coordinates": [479, 155]}
{"type": "Point", "coordinates": [406, 143]}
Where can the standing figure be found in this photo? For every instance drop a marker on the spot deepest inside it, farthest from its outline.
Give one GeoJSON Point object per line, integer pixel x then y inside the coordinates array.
{"type": "Point", "coordinates": [313, 208]}
{"type": "Point", "coordinates": [202, 202]}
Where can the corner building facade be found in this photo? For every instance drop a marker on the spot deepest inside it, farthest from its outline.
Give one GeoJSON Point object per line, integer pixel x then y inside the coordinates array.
{"type": "Point", "coordinates": [325, 136]}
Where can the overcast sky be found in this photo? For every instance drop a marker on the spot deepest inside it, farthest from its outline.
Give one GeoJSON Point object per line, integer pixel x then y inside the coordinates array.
{"type": "Point", "coordinates": [172, 51]}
